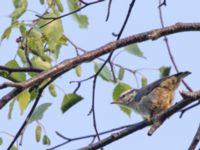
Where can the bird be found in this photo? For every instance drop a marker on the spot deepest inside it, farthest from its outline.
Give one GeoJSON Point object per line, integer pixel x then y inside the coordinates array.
{"type": "Point", "coordinates": [152, 99]}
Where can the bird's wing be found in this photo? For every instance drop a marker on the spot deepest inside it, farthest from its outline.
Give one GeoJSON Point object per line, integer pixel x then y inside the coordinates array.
{"type": "Point", "coordinates": [147, 89]}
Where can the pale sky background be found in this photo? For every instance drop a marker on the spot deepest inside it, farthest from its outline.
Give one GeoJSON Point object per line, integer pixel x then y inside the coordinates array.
{"type": "Point", "coordinates": [174, 134]}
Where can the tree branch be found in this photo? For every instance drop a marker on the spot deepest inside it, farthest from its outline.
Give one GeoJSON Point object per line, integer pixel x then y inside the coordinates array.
{"type": "Point", "coordinates": [138, 126]}
{"type": "Point", "coordinates": [195, 140]}
{"type": "Point", "coordinates": [68, 64]}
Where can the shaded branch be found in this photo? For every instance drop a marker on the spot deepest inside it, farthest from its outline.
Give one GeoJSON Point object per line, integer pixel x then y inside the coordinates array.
{"type": "Point", "coordinates": [68, 64]}
{"type": "Point", "coordinates": [138, 126]}
{"type": "Point", "coordinates": [10, 70]}
{"type": "Point", "coordinates": [195, 140]}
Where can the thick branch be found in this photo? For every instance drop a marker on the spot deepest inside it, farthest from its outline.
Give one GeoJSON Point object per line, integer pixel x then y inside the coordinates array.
{"type": "Point", "coordinates": [107, 48]}
{"type": "Point", "coordinates": [118, 135]}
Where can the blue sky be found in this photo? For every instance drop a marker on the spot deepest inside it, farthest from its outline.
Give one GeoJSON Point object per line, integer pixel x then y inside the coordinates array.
{"type": "Point", "coordinates": [175, 133]}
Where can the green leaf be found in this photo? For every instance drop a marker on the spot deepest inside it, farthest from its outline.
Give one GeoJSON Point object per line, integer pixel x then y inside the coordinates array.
{"type": "Point", "coordinates": [78, 70]}
{"type": "Point", "coordinates": [1, 141]}
{"type": "Point", "coordinates": [20, 9]}
{"type": "Point", "coordinates": [23, 100]}
{"type": "Point", "coordinates": [82, 20]}
{"type": "Point", "coordinates": [164, 71]}
{"type": "Point", "coordinates": [59, 5]}
{"type": "Point", "coordinates": [121, 73]}
{"type": "Point", "coordinates": [144, 81]}
{"type": "Point", "coordinates": [11, 105]}
{"type": "Point", "coordinates": [46, 140]}
{"type": "Point", "coordinates": [6, 33]}
{"type": "Point", "coordinates": [21, 54]}
{"type": "Point", "coordinates": [22, 28]}
{"type": "Point", "coordinates": [105, 73]}
{"type": "Point", "coordinates": [38, 132]}
{"type": "Point", "coordinates": [52, 32]}
{"type": "Point", "coordinates": [52, 90]}
{"type": "Point", "coordinates": [37, 62]}
{"type": "Point", "coordinates": [118, 90]}
{"type": "Point", "coordinates": [39, 112]}
{"type": "Point", "coordinates": [70, 100]}
{"type": "Point", "coordinates": [42, 2]}
{"type": "Point", "coordinates": [135, 50]}
{"type": "Point", "coordinates": [15, 77]}
{"type": "Point", "coordinates": [14, 148]}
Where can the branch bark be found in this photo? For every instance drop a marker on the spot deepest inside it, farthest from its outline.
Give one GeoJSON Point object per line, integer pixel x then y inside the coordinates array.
{"type": "Point", "coordinates": [69, 64]}
{"type": "Point", "coordinates": [138, 126]}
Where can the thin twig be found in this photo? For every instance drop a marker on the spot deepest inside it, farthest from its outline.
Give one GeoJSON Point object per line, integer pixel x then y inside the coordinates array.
{"type": "Point", "coordinates": [68, 140]}
{"type": "Point", "coordinates": [11, 70]}
{"type": "Point", "coordinates": [109, 7]}
{"type": "Point", "coordinates": [188, 108]}
{"type": "Point", "coordinates": [40, 91]}
{"type": "Point", "coordinates": [65, 15]}
{"type": "Point", "coordinates": [195, 140]}
{"type": "Point", "coordinates": [138, 126]}
{"type": "Point", "coordinates": [168, 45]}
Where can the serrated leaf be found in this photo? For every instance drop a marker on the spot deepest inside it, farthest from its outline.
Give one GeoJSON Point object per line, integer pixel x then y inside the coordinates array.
{"type": "Point", "coordinates": [118, 90]}
{"type": "Point", "coordinates": [164, 71]}
{"type": "Point", "coordinates": [37, 62]}
{"type": "Point", "coordinates": [121, 73]}
{"type": "Point", "coordinates": [39, 112]}
{"type": "Point", "coordinates": [23, 100]}
{"type": "Point", "coordinates": [52, 90]}
{"type": "Point", "coordinates": [38, 132]}
{"type": "Point", "coordinates": [20, 9]}
{"type": "Point", "coordinates": [78, 70]}
{"type": "Point", "coordinates": [144, 81]}
{"type": "Point", "coordinates": [135, 50]}
{"type": "Point", "coordinates": [46, 140]}
{"type": "Point", "coordinates": [6, 33]}
{"type": "Point", "coordinates": [70, 100]}
{"type": "Point", "coordinates": [105, 73]}
{"type": "Point", "coordinates": [1, 141]}
{"type": "Point", "coordinates": [11, 105]}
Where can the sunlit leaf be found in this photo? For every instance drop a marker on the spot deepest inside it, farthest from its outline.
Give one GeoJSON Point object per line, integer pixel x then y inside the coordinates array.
{"type": "Point", "coordinates": [105, 73]}
{"type": "Point", "coordinates": [39, 112]}
{"type": "Point", "coordinates": [6, 33]}
{"type": "Point", "coordinates": [11, 105]}
{"type": "Point", "coordinates": [70, 100]}
{"type": "Point", "coordinates": [164, 71]}
{"type": "Point", "coordinates": [144, 81]}
{"type": "Point", "coordinates": [59, 5]}
{"type": "Point", "coordinates": [20, 9]}
{"type": "Point", "coordinates": [118, 90]}
{"type": "Point", "coordinates": [52, 90]}
{"type": "Point", "coordinates": [23, 100]}
{"type": "Point", "coordinates": [52, 32]}
{"type": "Point", "coordinates": [78, 70]}
{"type": "Point", "coordinates": [37, 62]}
{"type": "Point", "coordinates": [135, 50]}
{"type": "Point", "coordinates": [121, 73]}
{"type": "Point", "coordinates": [46, 140]}
{"type": "Point", "coordinates": [82, 20]}
{"type": "Point", "coordinates": [38, 132]}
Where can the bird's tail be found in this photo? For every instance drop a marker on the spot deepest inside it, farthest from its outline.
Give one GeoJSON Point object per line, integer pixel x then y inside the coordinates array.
{"type": "Point", "coordinates": [181, 75]}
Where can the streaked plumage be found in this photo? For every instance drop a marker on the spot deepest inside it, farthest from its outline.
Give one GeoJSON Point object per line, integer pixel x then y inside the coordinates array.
{"type": "Point", "coordinates": [153, 98]}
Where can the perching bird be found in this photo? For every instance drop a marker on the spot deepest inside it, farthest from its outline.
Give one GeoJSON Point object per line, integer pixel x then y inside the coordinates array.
{"type": "Point", "coordinates": [154, 98]}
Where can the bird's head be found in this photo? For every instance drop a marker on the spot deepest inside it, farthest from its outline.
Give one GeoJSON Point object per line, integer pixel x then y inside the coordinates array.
{"type": "Point", "coordinates": [126, 98]}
